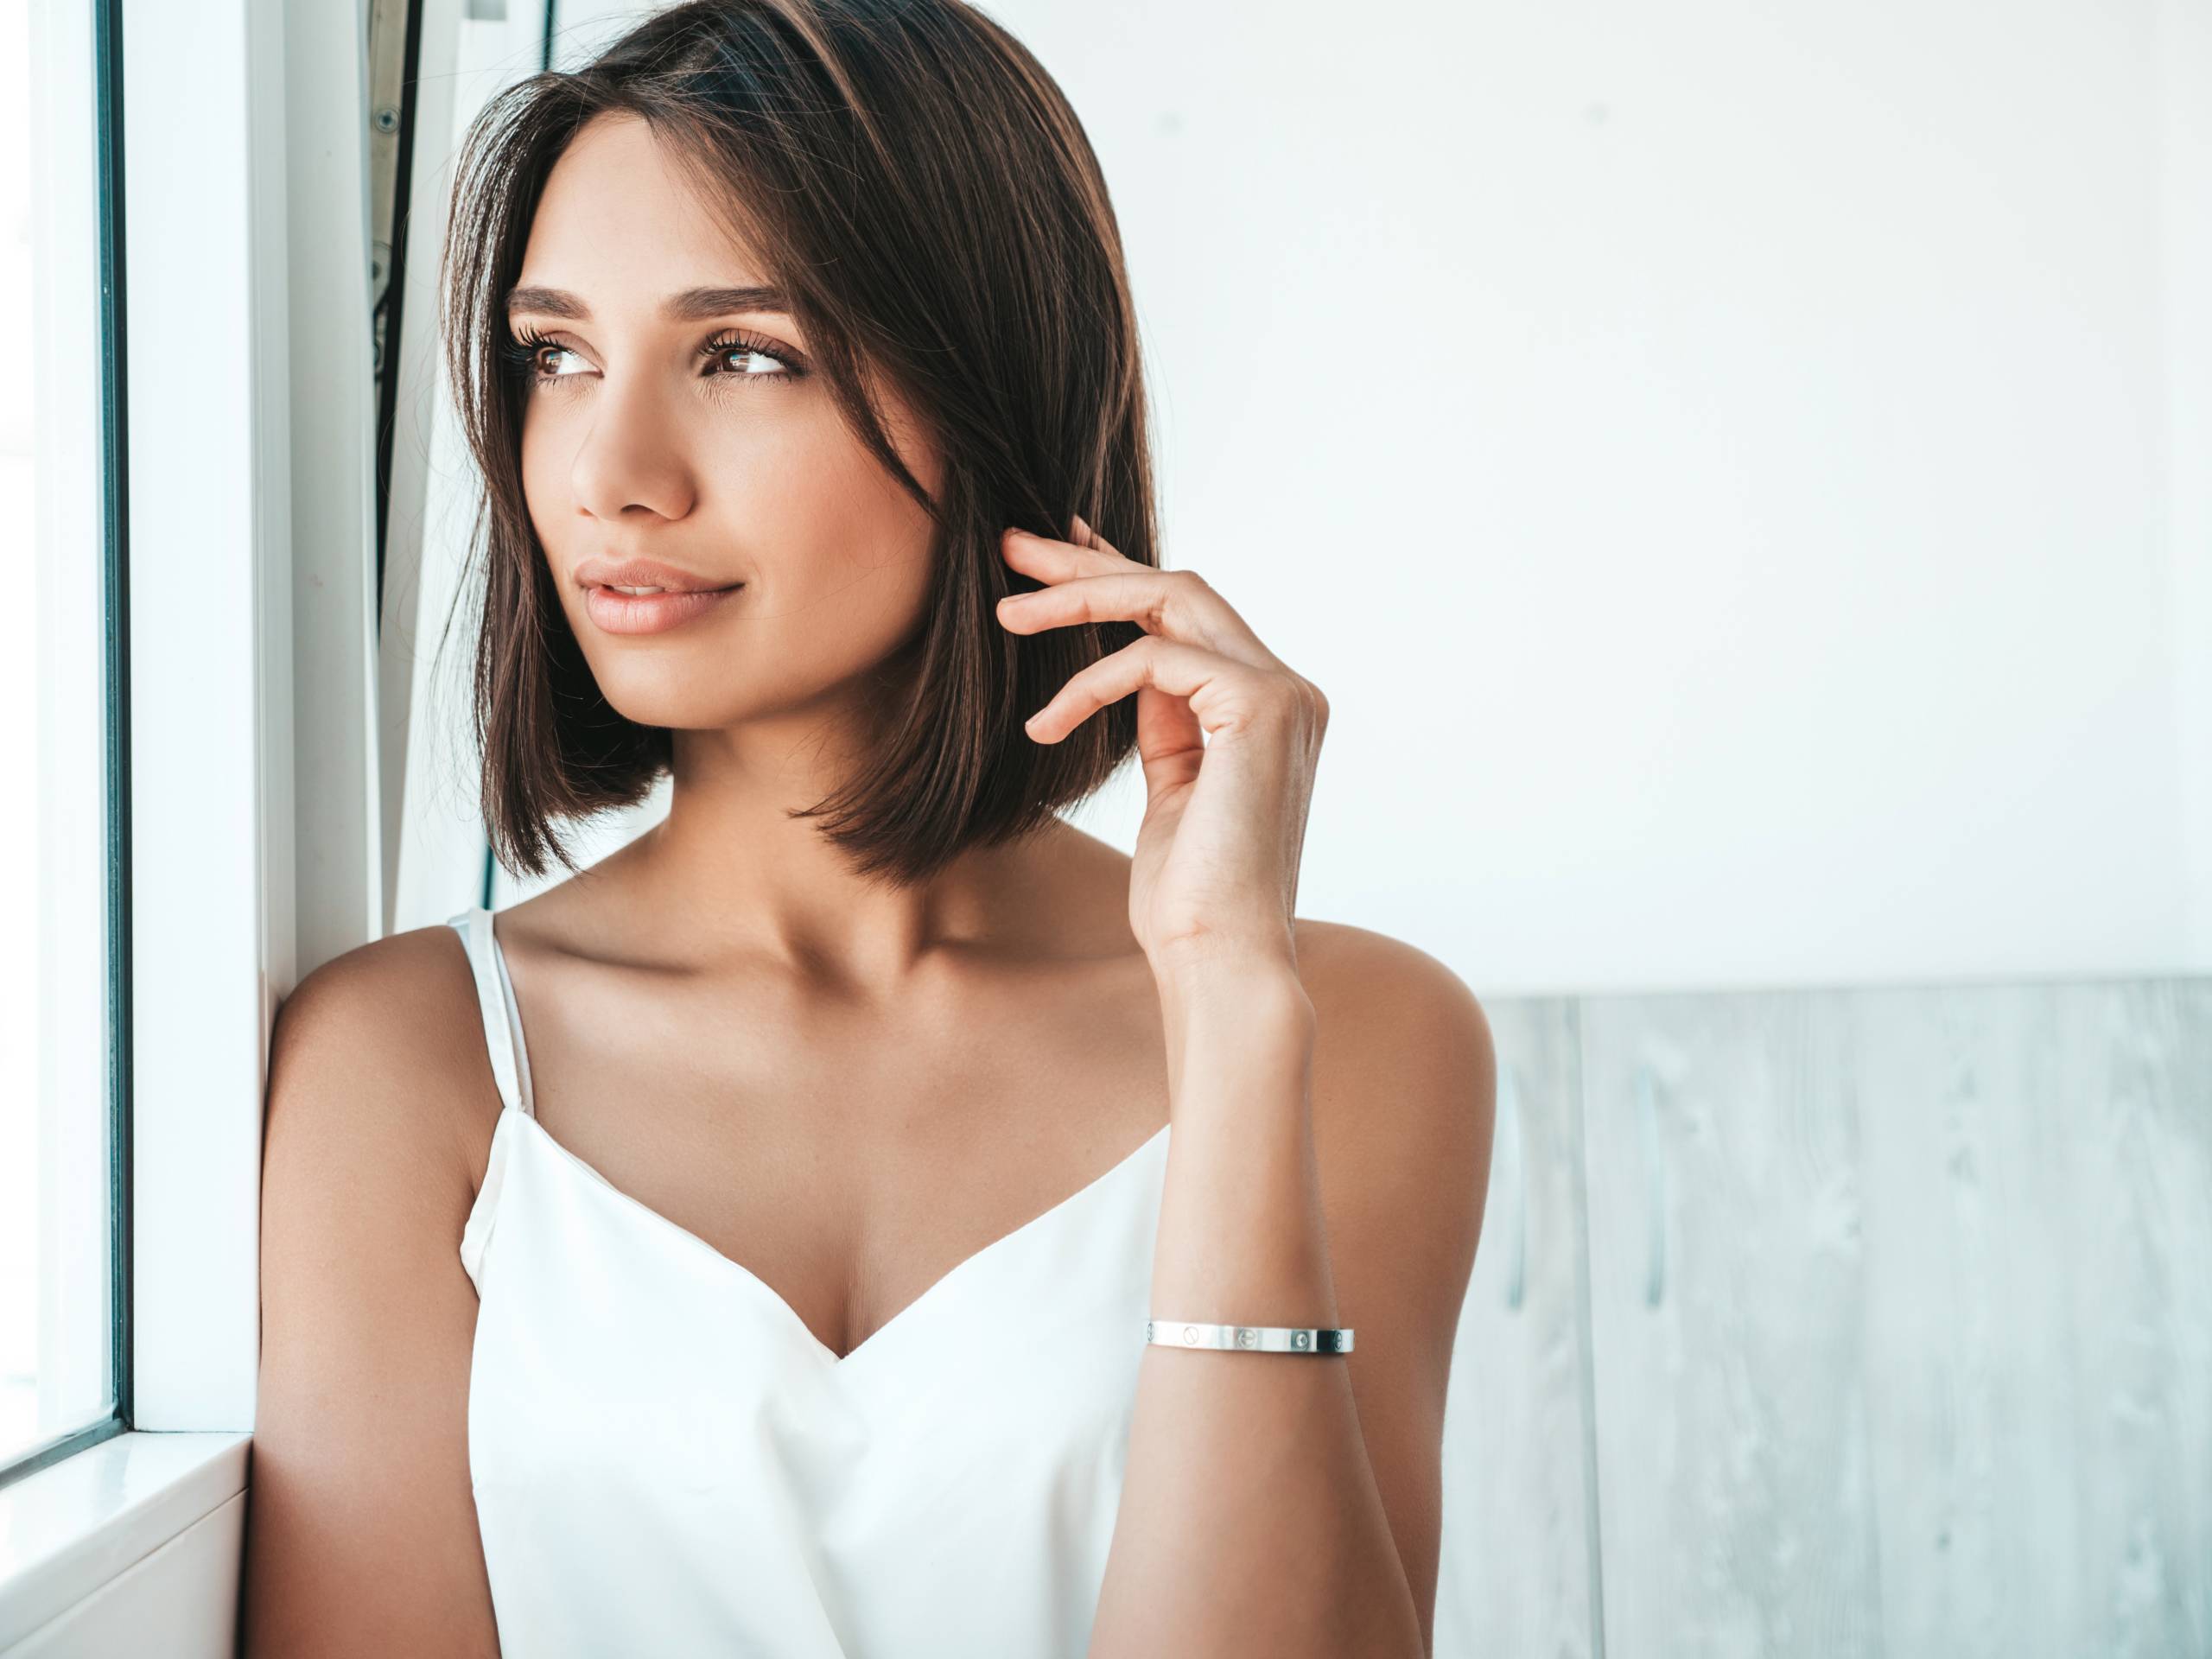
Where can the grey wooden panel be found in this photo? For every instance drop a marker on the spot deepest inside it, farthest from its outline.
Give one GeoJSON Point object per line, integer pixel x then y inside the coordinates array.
{"type": "Point", "coordinates": [1516, 1574]}
{"type": "Point", "coordinates": [2137, 1061]}
{"type": "Point", "coordinates": [2040, 1222]}
{"type": "Point", "coordinates": [1728, 1296]}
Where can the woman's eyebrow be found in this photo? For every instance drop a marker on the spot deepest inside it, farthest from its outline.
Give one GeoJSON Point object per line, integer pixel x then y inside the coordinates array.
{"type": "Point", "coordinates": [692, 305]}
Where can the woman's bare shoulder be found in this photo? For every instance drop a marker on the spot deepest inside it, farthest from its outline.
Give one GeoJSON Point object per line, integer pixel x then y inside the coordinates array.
{"type": "Point", "coordinates": [1402, 1046]}
{"type": "Point", "coordinates": [1366, 975]}
{"type": "Point", "coordinates": [387, 1038]}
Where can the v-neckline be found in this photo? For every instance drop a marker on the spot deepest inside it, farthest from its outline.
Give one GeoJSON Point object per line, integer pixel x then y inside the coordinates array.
{"type": "Point", "coordinates": [906, 1315]}
{"type": "Point", "coordinates": [824, 1351]}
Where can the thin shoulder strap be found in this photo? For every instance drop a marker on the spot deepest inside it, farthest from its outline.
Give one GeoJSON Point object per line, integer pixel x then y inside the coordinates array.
{"type": "Point", "coordinates": [495, 1004]}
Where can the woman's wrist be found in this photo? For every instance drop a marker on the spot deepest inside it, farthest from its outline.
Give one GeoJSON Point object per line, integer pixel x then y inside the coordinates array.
{"type": "Point", "coordinates": [1250, 983]}
{"type": "Point", "coordinates": [1240, 1036]}
{"type": "Point", "coordinates": [1197, 962]}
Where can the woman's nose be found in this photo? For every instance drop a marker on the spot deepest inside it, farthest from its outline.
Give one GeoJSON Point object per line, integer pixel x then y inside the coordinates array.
{"type": "Point", "coordinates": [631, 454]}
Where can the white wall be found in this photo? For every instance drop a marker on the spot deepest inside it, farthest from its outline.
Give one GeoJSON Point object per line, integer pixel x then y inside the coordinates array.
{"type": "Point", "coordinates": [1724, 462]}
{"type": "Point", "coordinates": [1738, 471]}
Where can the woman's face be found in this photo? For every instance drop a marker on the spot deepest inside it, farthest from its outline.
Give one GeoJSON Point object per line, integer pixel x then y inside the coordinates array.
{"type": "Point", "coordinates": [696, 436]}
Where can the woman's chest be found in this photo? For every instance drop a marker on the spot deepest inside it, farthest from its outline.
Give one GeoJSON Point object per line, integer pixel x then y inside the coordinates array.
{"type": "Point", "coordinates": [852, 1168]}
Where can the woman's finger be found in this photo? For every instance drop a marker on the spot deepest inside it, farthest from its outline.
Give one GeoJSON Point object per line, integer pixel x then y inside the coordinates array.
{"type": "Point", "coordinates": [1173, 604]}
{"type": "Point", "coordinates": [1049, 560]}
{"type": "Point", "coordinates": [1223, 691]}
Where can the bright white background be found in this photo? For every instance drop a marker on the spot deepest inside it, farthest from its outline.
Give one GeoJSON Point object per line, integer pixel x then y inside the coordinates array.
{"type": "Point", "coordinates": [1720, 459]}
{"type": "Point", "coordinates": [1742, 473]}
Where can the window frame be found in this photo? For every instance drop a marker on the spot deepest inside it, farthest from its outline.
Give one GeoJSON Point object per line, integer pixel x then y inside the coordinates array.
{"type": "Point", "coordinates": [241, 451]}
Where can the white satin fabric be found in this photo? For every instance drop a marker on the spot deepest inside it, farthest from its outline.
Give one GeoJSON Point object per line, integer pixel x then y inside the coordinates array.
{"type": "Point", "coordinates": [667, 1461]}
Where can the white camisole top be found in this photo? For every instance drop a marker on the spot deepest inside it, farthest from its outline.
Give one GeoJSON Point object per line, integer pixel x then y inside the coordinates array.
{"type": "Point", "coordinates": [666, 1460]}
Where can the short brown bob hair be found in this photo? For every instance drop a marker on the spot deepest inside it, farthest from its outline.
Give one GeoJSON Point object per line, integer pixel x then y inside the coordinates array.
{"type": "Point", "coordinates": [923, 194]}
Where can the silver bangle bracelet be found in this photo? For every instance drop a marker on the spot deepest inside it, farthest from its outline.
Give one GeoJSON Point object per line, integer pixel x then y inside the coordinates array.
{"type": "Point", "coordinates": [1257, 1339]}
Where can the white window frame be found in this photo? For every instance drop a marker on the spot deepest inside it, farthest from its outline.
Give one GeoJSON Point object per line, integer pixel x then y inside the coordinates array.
{"type": "Point", "coordinates": [250, 409]}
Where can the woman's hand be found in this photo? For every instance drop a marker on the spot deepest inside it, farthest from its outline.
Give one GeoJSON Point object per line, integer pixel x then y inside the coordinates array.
{"type": "Point", "coordinates": [1229, 737]}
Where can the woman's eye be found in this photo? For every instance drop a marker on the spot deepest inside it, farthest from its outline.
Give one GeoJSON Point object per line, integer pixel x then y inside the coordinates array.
{"type": "Point", "coordinates": [722, 351]}
{"type": "Point", "coordinates": [528, 353]}
{"type": "Point", "coordinates": [537, 359]}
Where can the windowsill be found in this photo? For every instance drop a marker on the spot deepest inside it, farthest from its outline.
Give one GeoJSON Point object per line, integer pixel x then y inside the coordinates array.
{"type": "Point", "coordinates": [67, 1530]}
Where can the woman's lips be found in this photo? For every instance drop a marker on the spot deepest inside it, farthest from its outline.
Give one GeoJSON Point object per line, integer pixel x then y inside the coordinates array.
{"type": "Point", "coordinates": [614, 612]}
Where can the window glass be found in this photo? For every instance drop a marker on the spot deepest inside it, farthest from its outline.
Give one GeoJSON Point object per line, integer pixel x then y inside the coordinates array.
{"type": "Point", "coordinates": [57, 1313]}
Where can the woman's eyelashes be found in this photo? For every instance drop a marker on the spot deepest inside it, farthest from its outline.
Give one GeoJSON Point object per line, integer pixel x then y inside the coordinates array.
{"type": "Point", "coordinates": [527, 355]}
{"type": "Point", "coordinates": [723, 347]}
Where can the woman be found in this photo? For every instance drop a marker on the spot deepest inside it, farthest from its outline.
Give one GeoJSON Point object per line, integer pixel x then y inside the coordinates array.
{"type": "Point", "coordinates": [751, 1244]}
